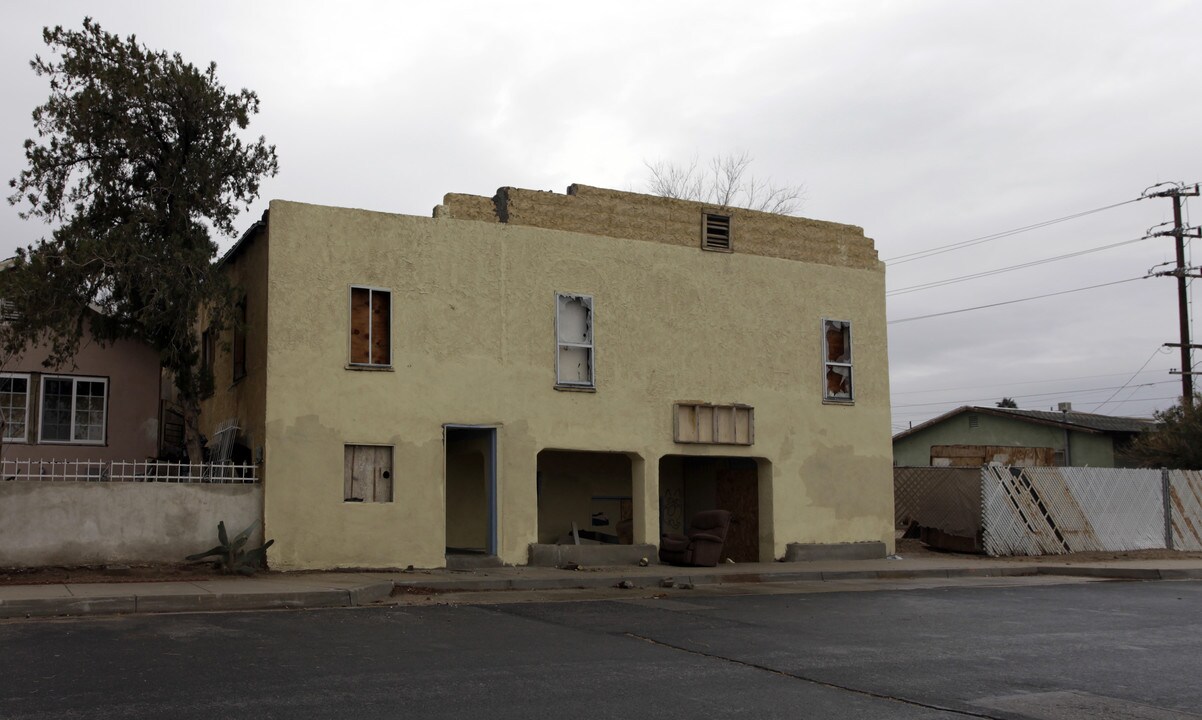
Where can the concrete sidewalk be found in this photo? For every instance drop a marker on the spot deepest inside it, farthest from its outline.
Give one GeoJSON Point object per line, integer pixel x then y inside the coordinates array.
{"type": "Point", "coordinates": [349, 589]}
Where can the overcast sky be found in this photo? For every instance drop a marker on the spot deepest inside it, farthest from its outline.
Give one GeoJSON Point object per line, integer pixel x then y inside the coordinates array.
{"type": "Point", "coordinates": [925, 123]}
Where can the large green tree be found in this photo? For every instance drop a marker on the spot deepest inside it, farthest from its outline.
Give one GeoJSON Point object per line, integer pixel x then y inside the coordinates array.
{"type": "Point", "coordinates": [1175, 442]}
{"type": "Point", "coordinates": [138, 159]}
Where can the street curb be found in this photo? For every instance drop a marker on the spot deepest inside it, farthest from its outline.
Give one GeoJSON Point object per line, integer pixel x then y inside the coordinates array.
{"type": "Point", "coordinates": [373, 592]}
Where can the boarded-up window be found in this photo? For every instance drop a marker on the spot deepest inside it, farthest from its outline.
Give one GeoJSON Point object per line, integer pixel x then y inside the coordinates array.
{"type": "Point", "coordinates": [238, 350]}
{"type": "Point", "coordinates": [367, 473]}
{"type": "Point", "coordinates": [713, 424]}
{"type": "Point", "coordinates": [836, 365]}
{"type": "Point", "coordinates": [715, 235]}
{"type": "Point", "coordinates": [574, 340]}
{"type": "Point", "coordinates": [371, 326]}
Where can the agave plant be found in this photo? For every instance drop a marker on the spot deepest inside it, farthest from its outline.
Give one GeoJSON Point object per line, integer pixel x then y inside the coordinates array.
{"type": "Point", "coordinates": [230, 556]}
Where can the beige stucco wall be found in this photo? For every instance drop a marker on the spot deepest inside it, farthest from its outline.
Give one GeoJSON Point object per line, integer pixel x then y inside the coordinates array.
{"type": "Point", "coordinates": [132, 421]}
{"type": "Point", "coordinates": [78, 523]}
{"type": "Point", "coordinates": [473, 343]}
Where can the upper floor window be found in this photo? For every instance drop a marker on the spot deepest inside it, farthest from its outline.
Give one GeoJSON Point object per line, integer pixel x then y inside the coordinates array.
{"type": "Point", "coordinates": [14, 406]}
{"type": "Point", "coordinates": [238, 350]}
{"type": "Point", "coordinates": [574, 340]}
{"type": "Point", "coordinates": [371, 327]}
{"type": "Point", "coordinates": [836, 355]}
{"type": "Point", "coordinates": [73, 409]}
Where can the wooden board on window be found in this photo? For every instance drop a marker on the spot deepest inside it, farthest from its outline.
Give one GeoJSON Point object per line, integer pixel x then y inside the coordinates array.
{"type": "Point", "coordinates": [380, 326]}
{"type": "Point", "coordinates": [360, 325]}
{"type": "Point", "coordinates": [367, 473]}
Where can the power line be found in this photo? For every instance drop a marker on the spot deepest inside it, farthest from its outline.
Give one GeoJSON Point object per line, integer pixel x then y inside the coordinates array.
{"type": "Point", "coordinates": [1011, 302]}
{"type": "Point", "coordinates": [920, 254]}
{"type": "Point", "coordinates": [1059, 393]}
{"type": "Point", "coordinates": [1157, 351]}
{"type": "Point", "coordinates": [998, 271]}
{"type": "Point", "coordinates": [1011, 384]}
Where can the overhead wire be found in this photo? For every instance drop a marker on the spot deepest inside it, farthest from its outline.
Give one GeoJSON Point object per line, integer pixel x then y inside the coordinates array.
{"type": "Point", "coordinates": [929, 252]}
{"type": "Point", "coordinates": [1059, 393]}
{"type": "Point", "coordinates": [1011, 302]}
{"type": "Point", "coordinates": [998, 271]}
{"type": "Point", "coordinates": [1157, 351]}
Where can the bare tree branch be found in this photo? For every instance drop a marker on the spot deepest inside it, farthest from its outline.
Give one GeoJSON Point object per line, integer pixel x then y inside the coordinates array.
{"type": "Point", "coordinates": [725, 181]}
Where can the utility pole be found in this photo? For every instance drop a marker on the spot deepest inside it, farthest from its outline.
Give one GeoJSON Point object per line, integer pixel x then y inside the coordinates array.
{"type": "Point", "coordinates": [1182, 273]}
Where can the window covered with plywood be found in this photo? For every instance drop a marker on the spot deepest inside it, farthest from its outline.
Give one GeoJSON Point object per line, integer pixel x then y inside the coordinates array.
{"type": "Point", "coordinates": [837, 361]}
{"type": "Point", "coordinates": [371, 327]}
{"type": "Point", "coordinates": [367, 473]}
{"type": "Point", "coordinates": [574, 340]}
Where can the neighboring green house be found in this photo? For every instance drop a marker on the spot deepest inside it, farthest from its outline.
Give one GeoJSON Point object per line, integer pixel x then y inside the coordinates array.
{"type": "Point", "coordinates": [971, 436]}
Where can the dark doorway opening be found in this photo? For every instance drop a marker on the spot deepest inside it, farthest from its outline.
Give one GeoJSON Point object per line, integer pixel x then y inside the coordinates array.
{"type": "Point", "coordinates": [689, 485]}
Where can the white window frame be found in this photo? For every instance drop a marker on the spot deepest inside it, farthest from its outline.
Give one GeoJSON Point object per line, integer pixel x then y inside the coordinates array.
{"type": "Point", "coordinates": [75, 380]}
{"type": "Point", "coordinates": [24, 438]}
{"type": "Point", "coordinates": [589, 346]}
{"type": "Point", "coordinates": [827, 364]}
{"type": "Point", "coordinates": [350, 320]}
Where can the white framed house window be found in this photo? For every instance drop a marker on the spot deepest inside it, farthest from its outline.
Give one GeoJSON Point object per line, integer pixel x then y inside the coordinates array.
{"type": "Point", "coordinates": [371, 327]}
{"type": "Point", "coordinates": [574, 367]}
{"type": "Point", "coordinates": [73, 409]}
{"type": "Point", "coordinates": [14, 406]}
{"type": "Point", "coordinates": [836, 362]}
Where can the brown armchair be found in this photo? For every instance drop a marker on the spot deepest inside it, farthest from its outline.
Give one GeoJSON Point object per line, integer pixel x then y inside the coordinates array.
{"type": "Point", "coordinates": [702, 546]}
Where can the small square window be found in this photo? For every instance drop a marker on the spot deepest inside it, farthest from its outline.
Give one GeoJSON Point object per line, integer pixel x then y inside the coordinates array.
{"type": "Point", "coordinates": [574, 340]}
{"type": "Point", "coordinates": [836, 366]}
{"type": "Point", "coordinates": [371, 327]}
{"type": "Point", "coordinates": [367, 475]}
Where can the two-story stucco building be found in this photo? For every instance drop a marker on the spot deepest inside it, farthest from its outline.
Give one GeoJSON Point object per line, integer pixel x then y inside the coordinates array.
{"type": "Point", "coordinates": [535, 366]}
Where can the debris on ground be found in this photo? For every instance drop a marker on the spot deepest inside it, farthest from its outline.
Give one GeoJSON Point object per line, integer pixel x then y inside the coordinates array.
{"type": "Point", "coordinates": [684, 586]}
{"type": "Point", "coordinates": [625, 585]}
{"type": "Point", "coordinates": [667, 582]}
{"type": "Point", "coordinates": [643, 562]}
{"type": "Point", "coordinates": [569, 566]}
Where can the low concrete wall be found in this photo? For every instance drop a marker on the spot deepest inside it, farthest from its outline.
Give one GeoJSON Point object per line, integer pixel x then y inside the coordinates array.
{"type": "Point", "coordinates": [543, 555]}
{"type": "Point", "coordinates": [77, 523]}
{"type": "Point", "coordinates": [802, 552]}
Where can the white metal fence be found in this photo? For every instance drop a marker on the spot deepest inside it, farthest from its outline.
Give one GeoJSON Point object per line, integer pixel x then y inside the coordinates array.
{"type": "Point", "coordinates": [1054, 510]}
{"type": "Point", "coordinates": [127, 471]}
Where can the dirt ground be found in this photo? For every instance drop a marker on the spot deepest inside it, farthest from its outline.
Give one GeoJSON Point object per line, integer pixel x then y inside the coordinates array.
{"type": "Point", "coordinates": [109, 574]}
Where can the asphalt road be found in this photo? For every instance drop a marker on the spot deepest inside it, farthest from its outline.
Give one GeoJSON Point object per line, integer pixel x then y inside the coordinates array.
{"type": "Point", "coordinates": [1125, 650]}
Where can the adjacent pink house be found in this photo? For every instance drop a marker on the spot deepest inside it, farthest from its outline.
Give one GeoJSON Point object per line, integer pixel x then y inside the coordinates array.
{"type": "Point", "coordinates": [106, 407]}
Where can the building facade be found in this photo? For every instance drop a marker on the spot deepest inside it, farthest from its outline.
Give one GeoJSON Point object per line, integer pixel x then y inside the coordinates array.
{"type": "Point", "coordinates": [536, 366]}
{"type": "Point", "coordinates": [975, 436]}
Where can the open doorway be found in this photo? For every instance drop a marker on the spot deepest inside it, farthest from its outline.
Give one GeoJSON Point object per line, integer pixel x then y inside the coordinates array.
{"type": "Point", "coordinates": [689, 485]}
{"type": "Point", "coordinates": [585, 498]}
{"type": "Point", "coordinates": [471, 484]}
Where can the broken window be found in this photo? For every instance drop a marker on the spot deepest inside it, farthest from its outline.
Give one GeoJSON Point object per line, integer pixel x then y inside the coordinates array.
{"type": "Point", "coordinates": [367, 473]}
{"type": "Point", "coordinates": [715, 234]}
{"type": "Point", "coordinates": [574, 338]}
{"type": "Point", "coordinates": [371, 327]}
{"type": "Point", "coordinates": [14, 406]}
{"type": "Point", "coordinates": [836, 353]}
